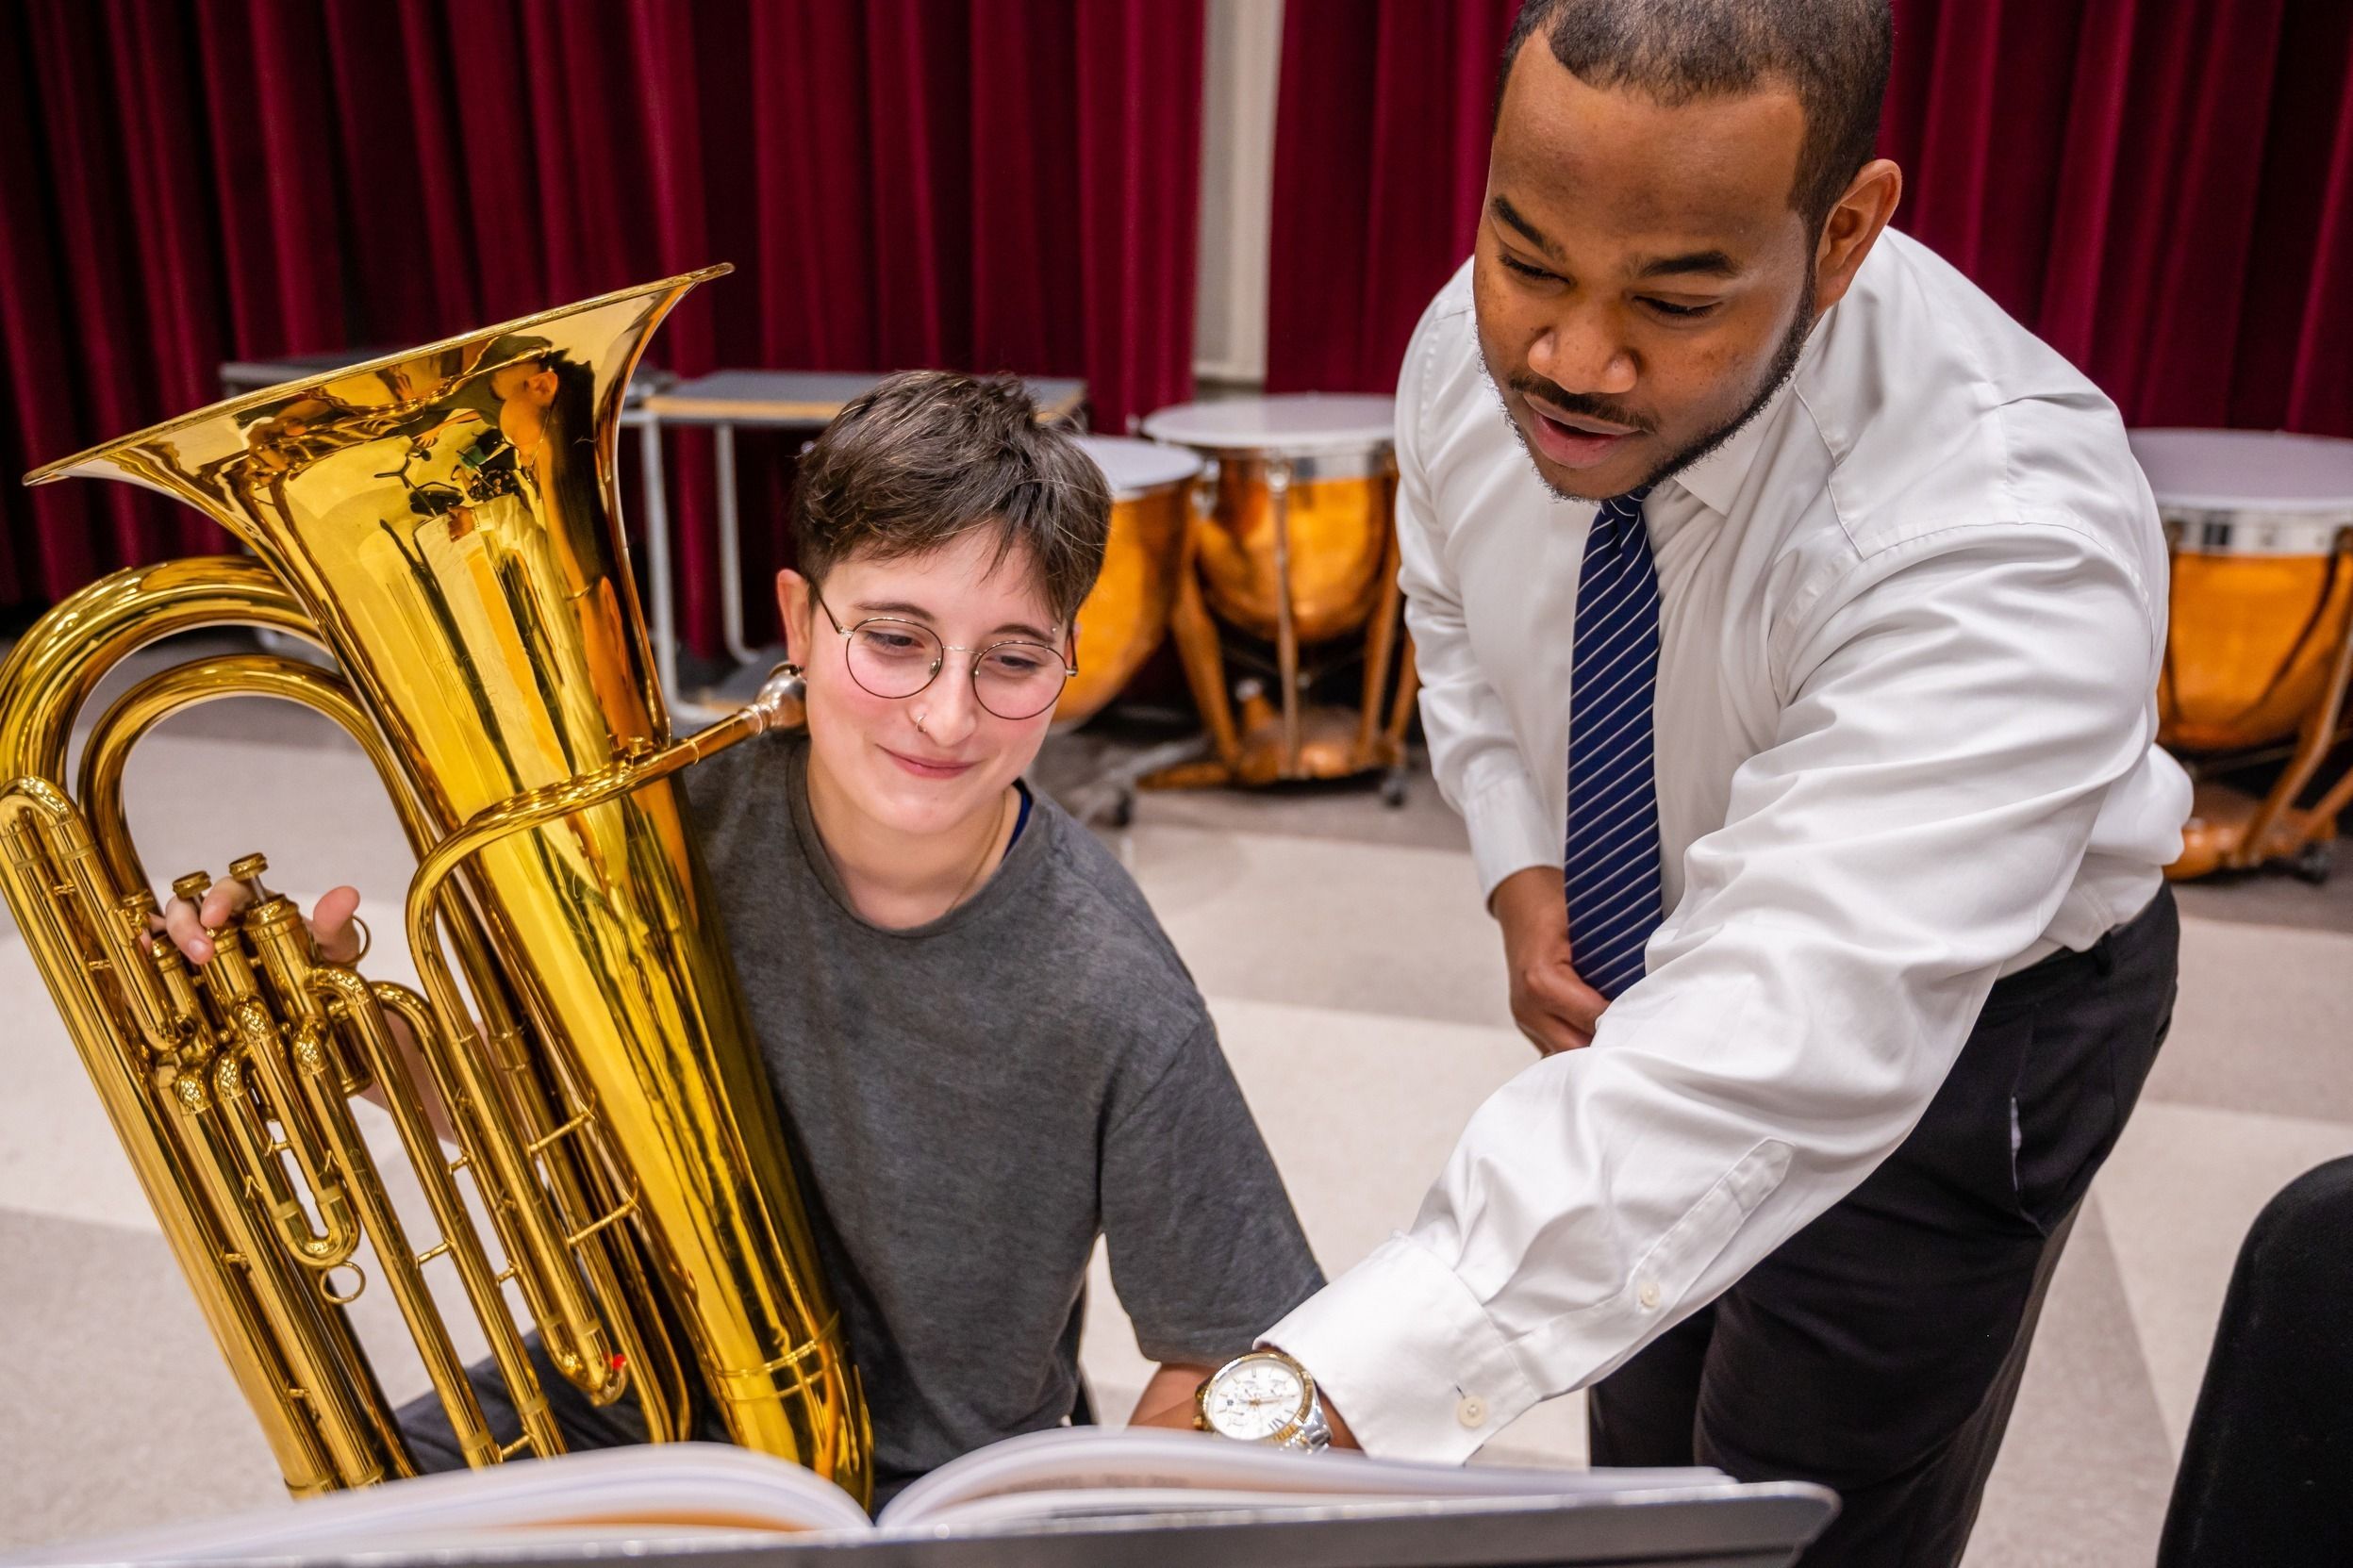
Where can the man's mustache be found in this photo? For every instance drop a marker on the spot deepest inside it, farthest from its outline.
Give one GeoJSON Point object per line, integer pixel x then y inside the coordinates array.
{"type": "Point", "coordinates": [1582, 404]}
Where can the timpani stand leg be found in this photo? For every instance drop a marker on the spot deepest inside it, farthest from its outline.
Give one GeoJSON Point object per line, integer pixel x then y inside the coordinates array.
{"type": "Point", "coordinates": [2278, 830]}
{"type": "Point", "coordinates": [1401, 705]}
{"type": "Point", "coordinates": [1401, 715]}
{"type": "Point", "coordinates": [1286, 617]}
{"type": "Point", "coordinates": [1381, 744]}
{"type": "Point", "coordinates": [2320, 830]}
{"type": "Point", "coordinates": [1380, 646]}
{"type": "Point", "coordinates": [1198, 650]}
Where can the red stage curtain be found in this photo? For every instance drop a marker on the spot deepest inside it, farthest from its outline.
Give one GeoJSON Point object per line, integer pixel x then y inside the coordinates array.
{"type": "Point", "coordinates": [2165, 191]}
{"type": "Point", "coordinates": [1380, 165]}
{"type": "Point", "coordinates": [990, 184]}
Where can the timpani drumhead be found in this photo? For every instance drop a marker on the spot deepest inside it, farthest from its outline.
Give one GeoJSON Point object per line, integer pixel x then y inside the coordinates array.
{"type": "Point", "coordinates": [2248, 493]}
{"type": "Point", "coordinates": [2262, 588]}
{"type": "Point", "coordinates": [1306, 424]}
{"type": "Point", "coordinates": [1137, 468]}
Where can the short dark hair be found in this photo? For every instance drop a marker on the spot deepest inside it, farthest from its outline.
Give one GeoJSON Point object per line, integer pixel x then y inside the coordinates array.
{"type": "Point", "coordinates": [927, 457]}
{"type": "Point", "coordinates": [1834, 53]}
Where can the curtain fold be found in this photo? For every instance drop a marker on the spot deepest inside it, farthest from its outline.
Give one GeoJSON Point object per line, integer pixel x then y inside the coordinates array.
{"type": "Point", "coordinates": [898, 182]}
{"type": "Point", "coordinates": [1380, 165]}
{"type": "Point", "coordinates": [2163, 191]}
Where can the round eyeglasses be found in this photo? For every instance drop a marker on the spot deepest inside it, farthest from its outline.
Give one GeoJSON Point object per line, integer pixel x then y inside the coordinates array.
{"type": "Point", "coordinates": [895, 658]}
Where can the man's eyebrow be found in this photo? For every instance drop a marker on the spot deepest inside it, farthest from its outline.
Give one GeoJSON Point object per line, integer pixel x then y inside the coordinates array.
{"type": "Point", "coordinates": [1505, 210]}
{"type": "Point", "coordinates": [1702, 263]}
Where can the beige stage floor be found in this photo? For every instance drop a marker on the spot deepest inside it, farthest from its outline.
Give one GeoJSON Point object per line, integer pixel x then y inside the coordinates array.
{"type": "Point", "coordinates": [1359, 991]}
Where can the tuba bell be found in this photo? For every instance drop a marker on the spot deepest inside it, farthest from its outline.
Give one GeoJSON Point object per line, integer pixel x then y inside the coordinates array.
{"type": "Point", "coordinates": [445, 524]}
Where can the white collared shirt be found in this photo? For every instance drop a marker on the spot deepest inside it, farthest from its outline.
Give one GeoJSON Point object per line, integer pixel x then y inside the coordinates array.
{"type": "Point", "coordinates": [1910, 629]}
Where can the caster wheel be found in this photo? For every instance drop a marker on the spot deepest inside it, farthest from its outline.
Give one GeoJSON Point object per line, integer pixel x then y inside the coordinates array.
{"type": "Point", "coordinates": [2312, 864]}
{"type": "Point", "coordinates": [1393, 791]}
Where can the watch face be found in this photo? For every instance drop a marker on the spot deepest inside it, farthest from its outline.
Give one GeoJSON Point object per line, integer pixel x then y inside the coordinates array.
{"type": "Point", "coordinates": [1256, 1399]}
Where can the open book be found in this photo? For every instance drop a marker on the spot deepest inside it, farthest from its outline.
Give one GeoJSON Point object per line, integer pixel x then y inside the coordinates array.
{"type": "Point", "coordinates": [699, 1492]}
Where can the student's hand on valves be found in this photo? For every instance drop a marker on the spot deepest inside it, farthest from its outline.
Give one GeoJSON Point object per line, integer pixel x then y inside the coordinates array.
{"type": "Point", "coordinates": [1554, 1008]}
{"type": "Point", "coordinates": [191, 928]}
{"type": "Point", "coordinates": [340, 938]}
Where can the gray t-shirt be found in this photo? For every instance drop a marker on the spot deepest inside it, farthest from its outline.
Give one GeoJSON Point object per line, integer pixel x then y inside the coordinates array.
{"type": "Point", "coordinates": [972, 1102]}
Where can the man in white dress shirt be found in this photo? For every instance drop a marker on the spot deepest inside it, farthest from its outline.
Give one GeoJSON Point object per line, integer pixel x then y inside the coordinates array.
{"type": "Point", "coordinates": [1811, 777]}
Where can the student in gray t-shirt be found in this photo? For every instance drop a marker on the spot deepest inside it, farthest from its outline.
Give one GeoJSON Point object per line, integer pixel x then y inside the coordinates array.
{"type": "Point", "coordinates": [987, 1051]}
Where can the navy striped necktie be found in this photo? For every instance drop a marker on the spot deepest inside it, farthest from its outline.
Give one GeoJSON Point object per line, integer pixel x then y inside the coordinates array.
{"type": "Point", "coordinates": [1611, 872]}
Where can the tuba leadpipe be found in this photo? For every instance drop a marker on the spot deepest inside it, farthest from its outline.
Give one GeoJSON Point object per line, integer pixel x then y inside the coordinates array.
{"type": "Point", "coordinates": [445, 525]}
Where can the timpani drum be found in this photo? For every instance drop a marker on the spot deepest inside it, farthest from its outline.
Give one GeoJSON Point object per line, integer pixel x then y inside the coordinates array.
{"type": "Point", "coordinates": [1292, 542]}
{"type": "Point", "coordinates": [1127, 614]}
{"type": "Point", "coordinates": [2260, 645]}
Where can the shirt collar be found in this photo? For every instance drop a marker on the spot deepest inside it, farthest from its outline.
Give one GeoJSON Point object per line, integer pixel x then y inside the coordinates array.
{"type": "Point", "coordinates": [1715, 479]}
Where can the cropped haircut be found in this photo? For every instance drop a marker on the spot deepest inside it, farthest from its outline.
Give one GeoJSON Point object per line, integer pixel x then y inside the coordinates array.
{"type": "Point", "coordinates": [929, 456]}
{"type": "Point", "coordinates": [1833, 54]}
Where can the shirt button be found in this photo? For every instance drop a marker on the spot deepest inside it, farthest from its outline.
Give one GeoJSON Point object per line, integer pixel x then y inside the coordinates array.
{"type": "Point", "coordinates": [1649, 1296]}
{"type": "Point", "coordinates": [1472, 1411]}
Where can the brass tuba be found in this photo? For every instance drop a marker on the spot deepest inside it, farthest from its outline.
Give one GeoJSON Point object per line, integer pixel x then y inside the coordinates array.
{"type": "Point", "coordinates": [445, 524]}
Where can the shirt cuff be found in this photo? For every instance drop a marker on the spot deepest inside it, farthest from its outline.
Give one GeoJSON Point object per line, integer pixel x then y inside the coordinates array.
{"type": "Point", "coordinates": [1511, 829]}
{"type": "Point", "coordinates": [1408, 1356]}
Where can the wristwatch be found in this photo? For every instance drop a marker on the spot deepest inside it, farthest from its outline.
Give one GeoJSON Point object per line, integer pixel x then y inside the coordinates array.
{"type": "Point", "coordinates": [1267, 1398]}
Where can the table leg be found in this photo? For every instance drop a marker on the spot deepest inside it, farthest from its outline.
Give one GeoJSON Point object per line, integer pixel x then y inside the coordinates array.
{"type": "Point", "coordinates": [657, 586]}
{"type": "Point", "coordinates": [730, 546]}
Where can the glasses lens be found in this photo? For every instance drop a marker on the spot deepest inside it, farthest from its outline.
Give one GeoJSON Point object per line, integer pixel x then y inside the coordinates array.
{"type": "Point", "coordinates": [893, 658]}
{"type": "Point", "coordinates": [1018, 680]}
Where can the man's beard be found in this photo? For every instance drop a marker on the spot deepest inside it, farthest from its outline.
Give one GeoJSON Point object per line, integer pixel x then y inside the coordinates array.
{"type": "Point", "coordinates": [1786, 357]}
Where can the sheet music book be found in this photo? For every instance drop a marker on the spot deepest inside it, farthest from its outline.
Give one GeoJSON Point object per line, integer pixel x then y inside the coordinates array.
{"type": "Point", "coordinates": [696, 1493]}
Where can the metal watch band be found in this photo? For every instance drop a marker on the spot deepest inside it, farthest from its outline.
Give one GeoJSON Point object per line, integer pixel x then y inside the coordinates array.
{"type": "Point", "coordinates": [1315, 1433]}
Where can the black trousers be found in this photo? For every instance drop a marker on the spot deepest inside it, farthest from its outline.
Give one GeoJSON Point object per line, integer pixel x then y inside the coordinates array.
{"type": "Point", "coordinates": [1879, 1350]}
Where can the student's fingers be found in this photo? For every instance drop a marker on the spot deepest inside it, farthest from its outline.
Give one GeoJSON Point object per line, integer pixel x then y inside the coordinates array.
{"type": "Point", "coordinates": [223, 900]}
{"type": "Point", "coordinates": [332, 926]}
{"type": "Point", "coordinates": [187, 932]}
{"type": "Point", "coordinates": [190, 926]}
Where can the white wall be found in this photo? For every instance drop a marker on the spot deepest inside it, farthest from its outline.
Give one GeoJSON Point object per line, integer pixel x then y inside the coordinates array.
{"type": "Point", "coordinates": [1240, 70]}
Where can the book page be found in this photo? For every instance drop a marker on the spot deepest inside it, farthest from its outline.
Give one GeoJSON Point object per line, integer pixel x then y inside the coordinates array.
{"type": "Point", "coordinates": [1096, 1471]}
{"type": "Point", "coordinates": [658, 1492]}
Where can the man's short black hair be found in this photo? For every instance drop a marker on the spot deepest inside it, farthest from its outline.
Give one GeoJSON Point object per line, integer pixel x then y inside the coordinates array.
{"type": "Point", "coordinates": [1832, 53]}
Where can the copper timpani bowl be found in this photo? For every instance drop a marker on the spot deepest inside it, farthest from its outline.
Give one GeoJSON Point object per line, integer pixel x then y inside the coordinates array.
{"type": "Point", "coordinates": [2261, 528]}
{"type": "Point", "coordinates": [1326, 460]}
{"type": "Point", "coordinates": [1127, 614]}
